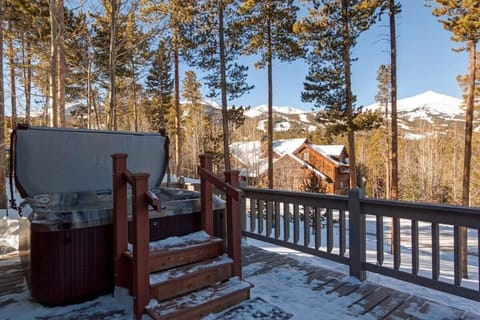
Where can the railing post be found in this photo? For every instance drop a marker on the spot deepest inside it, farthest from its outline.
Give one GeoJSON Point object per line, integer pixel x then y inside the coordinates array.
{"type": "Point", "coordinates": [206, 196]}
{"type": "Point", "coordinates": [141, 239]}
{"type": "Point", "coordinates": [356, 234]}
{"type": "Point", "coordinates": [120, 218]}
{"type": "Point", "coordinates": [234, 233]}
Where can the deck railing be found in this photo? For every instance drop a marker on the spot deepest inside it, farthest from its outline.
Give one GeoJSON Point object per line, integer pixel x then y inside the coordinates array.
{"type": "Point", "coordinates": [233, 196]}
{"type": "Point", "coordinates": [141, 199]}
{"type": "Point", "coordinates": [357, 231]}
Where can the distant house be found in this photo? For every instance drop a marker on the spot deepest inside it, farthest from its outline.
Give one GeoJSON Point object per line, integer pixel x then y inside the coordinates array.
{"type": "Point", "coordinates": [294, 163]}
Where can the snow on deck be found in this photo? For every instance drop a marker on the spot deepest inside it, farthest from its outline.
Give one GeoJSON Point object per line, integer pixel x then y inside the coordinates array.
{"type": "Point", "coordinates": [289, 284]}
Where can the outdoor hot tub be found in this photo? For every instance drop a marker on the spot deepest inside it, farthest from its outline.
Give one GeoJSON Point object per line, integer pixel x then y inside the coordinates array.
{"type": "Point", "coordinates": [66, 233]}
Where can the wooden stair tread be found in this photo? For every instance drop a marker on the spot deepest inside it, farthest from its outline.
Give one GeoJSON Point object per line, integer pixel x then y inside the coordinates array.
{"type": "Point", "coordinates": [172, 244]}
{"type": "Point", "coordinates": [178, 251]}
{"type": "Point", "coordinates": [187, 270]}
{"type": "Point", "coordinates": [202, 302]}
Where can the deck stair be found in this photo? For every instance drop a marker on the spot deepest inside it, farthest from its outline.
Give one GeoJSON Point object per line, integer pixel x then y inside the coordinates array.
{"type": "Point", "coordinates": [184, 277]}
{"type": "Point", "coordinates": [191, 278]}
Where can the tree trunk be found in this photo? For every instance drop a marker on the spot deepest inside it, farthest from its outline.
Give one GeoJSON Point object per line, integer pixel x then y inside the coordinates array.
{"type": "Point", "coordinates": [393, 98]}
{"type": "Point", "coordinates": [3, 193]}
{"type": "Point", "coordinates": [53, 64]}
{"type": "Point", "coordinates": [348, 95]}
{"type": "Point", "coordinates": [13, 89]}
{"type": "Point", "coordinates": [89, 94]}
{"type": "Point", "coordinates": [135, 111]}
{"type": "Point", "coordinates": [388, 179]}
{"type": "Point", "coordinates": [27, 77]}
{"type": "Point", "coordinates": [61, 64]}
{"type": "Point", "coordinates": [112, 121]}
{"type": "Point", "coordinates": [468, 150]}
{"type": "Point", "coordinates": [223, 85]}
{"type": "Point", "coordinates": [178, 140]}
{"type": "Point", "coordinates": [270, 104]}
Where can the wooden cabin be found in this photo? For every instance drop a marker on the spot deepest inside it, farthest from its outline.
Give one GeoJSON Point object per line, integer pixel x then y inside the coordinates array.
{"type": "Point", "coordinates": [294, 163]}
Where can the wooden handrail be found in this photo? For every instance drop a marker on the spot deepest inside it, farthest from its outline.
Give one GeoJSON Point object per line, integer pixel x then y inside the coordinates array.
{"type": "Point", "coordinates": [233, 197]}
{"type": "Point", "coordinates": [140, 229]}
{"type": "Point", "coordinates": [229, 190]}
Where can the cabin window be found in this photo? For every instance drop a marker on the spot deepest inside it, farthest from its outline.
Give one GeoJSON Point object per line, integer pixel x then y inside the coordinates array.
{"type": "Point", "coordinates": [306, 156]}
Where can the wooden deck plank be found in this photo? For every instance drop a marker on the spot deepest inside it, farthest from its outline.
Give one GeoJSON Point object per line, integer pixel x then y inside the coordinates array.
{"type": "Point", "coordinates": [369, 302]}
{"type": "Point", "coordinates": [418, 308]}
{"type": "Point", "coordinates": [365, 300]}
{"type": "Point", "coordinates": [346, 289]}
{"type": "Point", "coordinates": [330, 286]}
{"type": "Point", "coordinates": [364, 291]}
{"type": "Point", "coordinates": [389, 305]}
{"type": "Point", "coordinates": [404, 311]}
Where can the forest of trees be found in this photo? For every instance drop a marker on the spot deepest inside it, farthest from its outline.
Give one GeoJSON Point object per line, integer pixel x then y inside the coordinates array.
{"type": "Point", "coordinates": [133, 65]}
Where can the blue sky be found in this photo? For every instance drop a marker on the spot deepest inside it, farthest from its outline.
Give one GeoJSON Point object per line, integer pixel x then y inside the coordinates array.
{"type": "Point", "coordinates": [425, 62]}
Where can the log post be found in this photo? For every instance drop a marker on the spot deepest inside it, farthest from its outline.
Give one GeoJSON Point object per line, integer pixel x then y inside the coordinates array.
{"type": "Point", "coordinates": [120, 218]}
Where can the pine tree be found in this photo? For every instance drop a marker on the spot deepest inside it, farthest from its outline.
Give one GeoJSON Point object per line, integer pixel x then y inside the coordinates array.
{"type": "Point", "coordinates": [331, 30]}
{"type": "Point", "coordinates": [268, 29]}
{"type": "Point", "coordinates": [160, 86]}
{"type": "Point", "coordinates": [461, 19]}
{"type": "Point", "coordinates": [313, 184]}
{"type": "Point", "coordinates": [215, 45]}
{"type": "Point", "coordinates": [170, 17]}
{"type": "Point", "coordinates": [194, 122]}
{"type": "Point", "coordinates": [383, 98]}
{"type": "Point", "coordinates": [137, 43]}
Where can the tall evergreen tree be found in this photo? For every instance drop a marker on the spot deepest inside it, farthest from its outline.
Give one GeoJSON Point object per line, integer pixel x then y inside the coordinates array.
{"type": "Point", "coordinates": [170, 16]}
{"type": "Point", "coordinates": [215, 46]}
{"type": "Point", "coordinates": [383, 98]}
{"type": "Point", "coordinates": [160, 86]}
{"type": "Point", "coordinates": [392, 8]}
{"type": "Point", "coordinates": [460, 17]}
{"type": "Point", "coordinates": [331, 30]}
{"type": "Point", "coordinates": [194, 122]}
{"type": "Point", "coordinates": [268, 30]}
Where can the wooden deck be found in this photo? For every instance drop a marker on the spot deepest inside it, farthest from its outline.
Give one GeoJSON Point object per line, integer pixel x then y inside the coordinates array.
{"type": "Point", "coordinates": [358, 300]}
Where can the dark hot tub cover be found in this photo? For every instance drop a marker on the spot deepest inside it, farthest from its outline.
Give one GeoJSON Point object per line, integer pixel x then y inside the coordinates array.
{"type": "Point", "coordinates": [52, 160]}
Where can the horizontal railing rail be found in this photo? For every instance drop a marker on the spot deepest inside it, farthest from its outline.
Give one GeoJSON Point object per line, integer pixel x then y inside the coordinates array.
{"type": "Point", "coordinates": [416, 242]}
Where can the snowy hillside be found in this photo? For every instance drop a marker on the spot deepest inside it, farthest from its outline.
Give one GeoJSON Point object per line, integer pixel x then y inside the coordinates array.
{"type": "Point", "coordinates": [263, 110]}
{"type": "Point", "coordinates": [429, 108]}
{"type": "Point", "coordinates": [426, 106]}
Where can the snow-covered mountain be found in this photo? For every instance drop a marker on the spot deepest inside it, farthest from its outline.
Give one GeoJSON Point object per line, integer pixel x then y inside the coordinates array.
{"type": "Point", "coordinates": [285, 118]}
{"type": "Point", "coordinates": [263, 110]}
{"type": "Point", "coordinates": [427, 106]}
{"type": "Point", "coordinates": [415, 114]}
